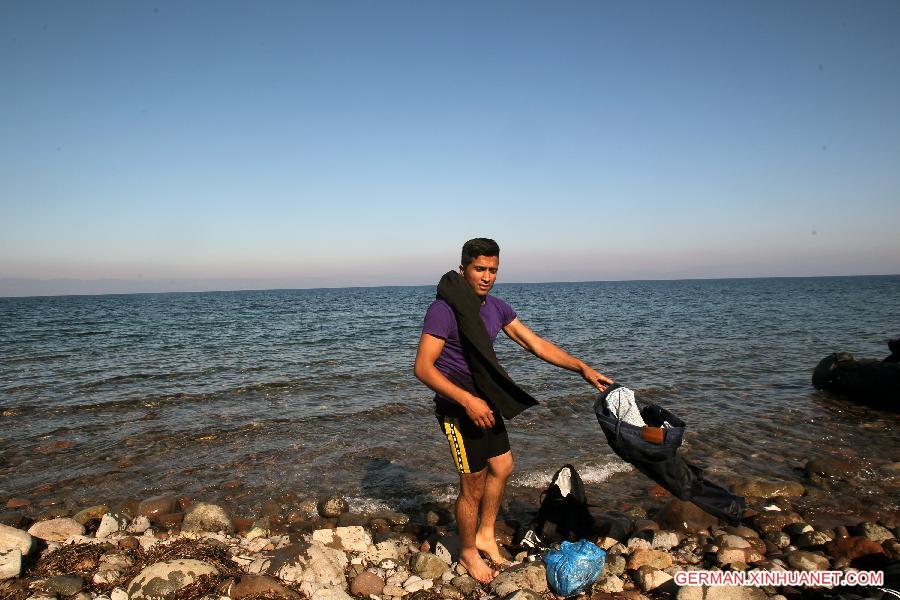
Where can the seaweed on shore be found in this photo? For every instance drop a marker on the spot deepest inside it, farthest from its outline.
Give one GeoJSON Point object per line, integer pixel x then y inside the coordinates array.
{"type": "Point", "coordinates": [83, 560]}
{"type": "Point", "coordinates": [73, 559]}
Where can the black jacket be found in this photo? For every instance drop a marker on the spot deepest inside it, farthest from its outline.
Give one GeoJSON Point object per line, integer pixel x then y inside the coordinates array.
{"type": "Point", "coordinates": [660, 462]}
{"type": "Point", "coordinates": [492, 382]}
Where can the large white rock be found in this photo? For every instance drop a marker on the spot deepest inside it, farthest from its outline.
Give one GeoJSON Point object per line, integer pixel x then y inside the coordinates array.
{"type": "Point", "coordinates": [10, 538]}
{"type": "Point", "coordinates": [167, 577]}
{"type": "Point", "coordinates": [529, 576]}
{"type": "Point", "coordinates": [386, 550]}
{"type": "Point", "coordinates": [353, 538]}
{"type": "Point", "coordinates": [56, 530]}
{"type": "Point", "coordinates": [319, 564]}
{"type": "Point", "coordinates": [206, 517]}
{"type": "Point", "coordinates": [10, 563]}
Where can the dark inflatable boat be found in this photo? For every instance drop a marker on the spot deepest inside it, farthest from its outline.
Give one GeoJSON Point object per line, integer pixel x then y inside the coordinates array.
{"type": "Point", "coordinates": [871, 382]}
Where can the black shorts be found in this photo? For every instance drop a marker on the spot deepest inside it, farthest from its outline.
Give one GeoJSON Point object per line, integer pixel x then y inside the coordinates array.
{"type": "Point", "coordinates": [470, 445]}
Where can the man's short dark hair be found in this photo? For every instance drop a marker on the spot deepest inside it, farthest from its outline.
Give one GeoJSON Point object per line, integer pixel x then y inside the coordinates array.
{"type": "Point", "coordinates": [478, 247]}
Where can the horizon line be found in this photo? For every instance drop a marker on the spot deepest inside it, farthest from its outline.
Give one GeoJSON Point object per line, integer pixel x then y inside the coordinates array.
{"type": "Point", "coordinates": [351, 287]}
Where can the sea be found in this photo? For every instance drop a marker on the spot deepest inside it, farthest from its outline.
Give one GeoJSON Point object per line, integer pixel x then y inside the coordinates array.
{"type": "Point", "coordinates": [246, 397]}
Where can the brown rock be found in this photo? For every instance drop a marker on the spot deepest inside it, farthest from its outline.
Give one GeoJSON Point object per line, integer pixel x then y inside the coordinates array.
{"type": "Point", "coordinates": [129, 543]}
{"type": "Point", "coordinates": [655, 558]}
{"type": "Point", "coordinates": [853, 547]}
{"type": "Point", "coordinates": [259, 585]}
{"type": "Point", "coordinates": [158, 506]}
{"type": "Point", "coordinates": [683, 516]}
{"type": "Point", "coordinates": [759, 488]}
{"type": "Point", "coordinates": [658, 491]}
{"type": "Point", "coordinates": [17, 503]}
{"type": "Point", "coordinates": [366, 584]}
{"type": "Point", "coordinates": [169, 520]}
{"type": "Point", "coordinates": [775, 521]}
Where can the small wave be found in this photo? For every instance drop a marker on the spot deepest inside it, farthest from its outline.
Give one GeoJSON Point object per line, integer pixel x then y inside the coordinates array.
{"type": "Point", "coordinates": [368, 505]}
{"type": "Point", "coordinates": [42, 358]}
{"type": "Point", "coordinates": [589, 474]}
{"type": "Point", "coordinates": [90, 333]}
{"type": "Point", "coordinates": [130, 378]}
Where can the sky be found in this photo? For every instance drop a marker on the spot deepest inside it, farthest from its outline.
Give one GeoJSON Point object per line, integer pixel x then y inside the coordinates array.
{"type": "Point", "coordinates": [305, 144]}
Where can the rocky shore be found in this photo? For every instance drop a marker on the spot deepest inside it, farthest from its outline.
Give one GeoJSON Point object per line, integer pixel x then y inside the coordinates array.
{"type": "Point", "coordinates": [171, 547]}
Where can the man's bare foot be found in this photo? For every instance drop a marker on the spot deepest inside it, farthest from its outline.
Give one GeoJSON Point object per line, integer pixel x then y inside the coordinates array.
{"type": "Point", "coordinates": [475, 565]}
{"type": "Point", "coordinates": [489, 546]}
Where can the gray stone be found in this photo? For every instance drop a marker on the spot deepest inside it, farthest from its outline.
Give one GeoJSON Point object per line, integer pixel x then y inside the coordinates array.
{"type": "Point", "coordinates": [615, 565]}
{"type": "Point", "coordinates": [427, 565]}
{"type": "Point", "coordinates": [167, 577]}
{"type": "Point", "coordinates": [609, 584]}
{"type": "Point", "coordinates": [530, 576]}
{"type": "Point", "coordinates": [464, 584]}
{"type": "Point", "coordinates": [873, 531]}
{"type": "Point", "coordinates": [56, 530]}
{"type": "Point", "coordinates": [206, 517]}
{"type": "Point", "coordinates": [63, 585]}
{"type": "Point", "coordinates": [807, 561]}
{"type": "Point", "coordinates": [10, 538]}
{"type": "Point", "coordinates": [664, 540]}
{"type": "Point", "coordinates": [10, 563]}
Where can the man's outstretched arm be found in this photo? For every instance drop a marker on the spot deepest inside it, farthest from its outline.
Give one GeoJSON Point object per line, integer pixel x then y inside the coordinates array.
{"type": "Point", "coordinates": [429, 350]}
{"type": "Point", "coordinates": [549, 352]}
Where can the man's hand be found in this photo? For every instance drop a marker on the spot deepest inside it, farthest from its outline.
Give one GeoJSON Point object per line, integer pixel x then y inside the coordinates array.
{"type": "Point", "coordinates": [479, 412]}
{"type": "Point", "coordinates": [598, 380]}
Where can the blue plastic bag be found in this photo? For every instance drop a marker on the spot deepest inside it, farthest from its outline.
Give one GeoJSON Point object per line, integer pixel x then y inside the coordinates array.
{"type": "Point", "coordinates": [574, 567]}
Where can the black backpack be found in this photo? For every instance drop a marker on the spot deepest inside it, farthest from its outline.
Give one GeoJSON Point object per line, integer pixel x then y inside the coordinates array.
{"type": "Point", "coordinates": [563, 514]}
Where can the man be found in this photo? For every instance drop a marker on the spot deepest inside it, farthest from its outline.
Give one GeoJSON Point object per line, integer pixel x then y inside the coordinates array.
{"type": "Point", "coordinates": [473, 426]}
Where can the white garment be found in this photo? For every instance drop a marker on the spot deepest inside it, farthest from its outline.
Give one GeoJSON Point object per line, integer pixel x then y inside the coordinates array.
{"type": "Point", "coordinates": [621, 404]}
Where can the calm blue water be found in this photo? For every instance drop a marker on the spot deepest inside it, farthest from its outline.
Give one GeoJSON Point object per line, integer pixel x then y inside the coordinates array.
{"type": "Point", "coordinates": [311, 391]}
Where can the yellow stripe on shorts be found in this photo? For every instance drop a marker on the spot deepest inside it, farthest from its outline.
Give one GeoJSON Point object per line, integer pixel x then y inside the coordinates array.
{"type": "Point", "coordinates": [457, 448]}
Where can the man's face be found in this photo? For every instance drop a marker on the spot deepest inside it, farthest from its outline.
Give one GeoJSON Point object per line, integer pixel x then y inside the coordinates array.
{"type": "Point", "coordinates": [481, 274]}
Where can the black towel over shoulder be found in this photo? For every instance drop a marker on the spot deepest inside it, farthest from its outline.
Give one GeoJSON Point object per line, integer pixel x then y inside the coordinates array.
{"type": "Point", "coordinates": [492, 382]}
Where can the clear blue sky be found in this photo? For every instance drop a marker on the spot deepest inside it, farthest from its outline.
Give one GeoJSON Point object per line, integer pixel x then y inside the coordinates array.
{"type": "Point", "coordinates": [346, 143]}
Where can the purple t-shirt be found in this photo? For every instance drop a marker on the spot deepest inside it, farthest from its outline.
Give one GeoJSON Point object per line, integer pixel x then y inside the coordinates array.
{"type": "Point", "coordinates": [441, 323]}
